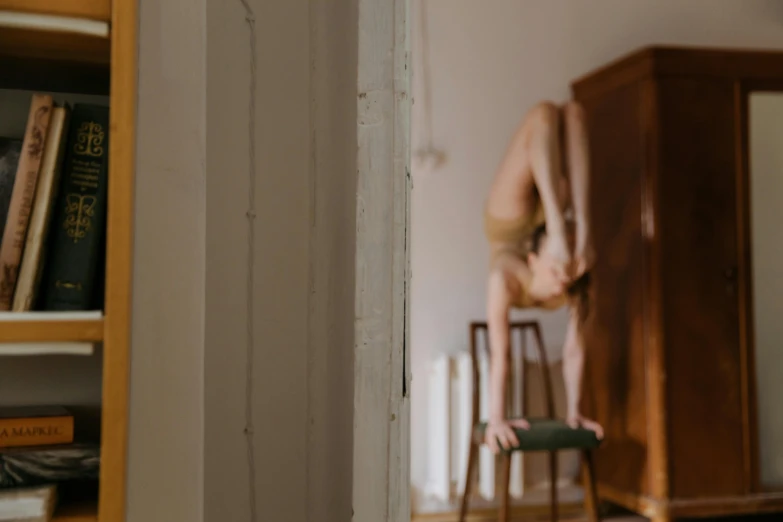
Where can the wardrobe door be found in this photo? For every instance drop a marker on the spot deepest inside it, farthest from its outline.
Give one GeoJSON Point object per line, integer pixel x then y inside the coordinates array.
{"type": "Point", "coordinates": [697, 212]}
{"type": "Point", "coordinates": [615, 372]}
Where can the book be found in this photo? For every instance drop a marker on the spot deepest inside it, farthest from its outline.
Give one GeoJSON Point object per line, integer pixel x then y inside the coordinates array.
{"type": "Point", "coordinates": [10, 149]}
{"type": "Point", "coordinates": [34, 504]}
{"type": "Point", "coordinates": [21, 204]}
{"type": "Point", "coordinates": [31, 268]}
{"type": "Point", "coordinates": [79, 218]}
{"type": "Point", "coordinates": [35, 426]}
{"type": "Point", "coordinates": [35, 466]}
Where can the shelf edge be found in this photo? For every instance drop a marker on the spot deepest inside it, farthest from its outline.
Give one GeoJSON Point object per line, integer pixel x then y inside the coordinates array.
{"type": "Point", "coordinates": [51, 331]}
{"type": "Point", "coordinates": [50, 348]}
{"type": "Point", "coordinates": [55, 23]}
{"type": "Point", "coordinates": [14, 317]}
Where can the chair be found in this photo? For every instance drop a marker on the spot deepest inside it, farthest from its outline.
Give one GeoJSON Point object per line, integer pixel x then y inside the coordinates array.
{"type": "Point", "coordinates": [545, 434]}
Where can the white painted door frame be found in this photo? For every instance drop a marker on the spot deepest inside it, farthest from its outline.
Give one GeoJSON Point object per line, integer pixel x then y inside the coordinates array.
{"type": "Point", "coordinates": [381, 477]}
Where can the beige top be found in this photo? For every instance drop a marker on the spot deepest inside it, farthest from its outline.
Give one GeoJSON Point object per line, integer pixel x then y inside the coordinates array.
{"type": "Point", "coordinates": [509, 233]}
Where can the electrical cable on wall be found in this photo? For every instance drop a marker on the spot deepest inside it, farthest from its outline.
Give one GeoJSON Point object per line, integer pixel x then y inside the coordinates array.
{"type": "Point", "coordinates": [428, 157]}
{"type": "Point", "coordinates": [251, 217]}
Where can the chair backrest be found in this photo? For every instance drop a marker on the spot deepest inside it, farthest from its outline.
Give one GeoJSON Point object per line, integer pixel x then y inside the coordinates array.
{"type": "Point", "coordinates": [478, 328]}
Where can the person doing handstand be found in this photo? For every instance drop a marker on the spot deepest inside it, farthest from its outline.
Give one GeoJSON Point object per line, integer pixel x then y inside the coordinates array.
{"type": "Point", "coordinates": [538, 226]}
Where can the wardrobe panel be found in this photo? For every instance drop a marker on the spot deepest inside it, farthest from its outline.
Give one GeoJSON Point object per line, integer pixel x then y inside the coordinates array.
{"type": "Point", "coordinates": [615, 372]}
{"type": "Point", "coordinates": [700, 304]}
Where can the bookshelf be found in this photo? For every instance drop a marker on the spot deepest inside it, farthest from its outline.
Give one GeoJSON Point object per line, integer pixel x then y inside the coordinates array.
{"type": "Point", "coordinates": [75, 49]}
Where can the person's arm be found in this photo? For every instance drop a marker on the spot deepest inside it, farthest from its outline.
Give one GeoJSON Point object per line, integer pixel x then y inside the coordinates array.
{"type": "Point", "coordinates": [573, 366]}
{"type": "Point", "coordinates": [573, 371]}
{"type": "Point", "coordinates": [500, 432]}
{"type": "Point", "coordinates": [498, 306]}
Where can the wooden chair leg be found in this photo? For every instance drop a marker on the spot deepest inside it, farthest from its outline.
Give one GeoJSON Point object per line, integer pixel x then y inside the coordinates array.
{"type": "Point", "coordinates": [505, 482]}
{"type": "Point", "coordinates": [591, 493]}
{"type": "Point", "coordinates": [472, 456]}
{"type": "Point", "coordinates": [553, 484]}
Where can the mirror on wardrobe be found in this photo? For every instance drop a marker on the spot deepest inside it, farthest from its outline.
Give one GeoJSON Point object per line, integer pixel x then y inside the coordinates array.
{"type": "Point", "coordinates": [765, 140]}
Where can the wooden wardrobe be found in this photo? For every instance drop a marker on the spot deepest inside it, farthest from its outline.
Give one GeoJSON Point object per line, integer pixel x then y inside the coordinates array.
{"type": "Point", "coordinates": [671, 370]}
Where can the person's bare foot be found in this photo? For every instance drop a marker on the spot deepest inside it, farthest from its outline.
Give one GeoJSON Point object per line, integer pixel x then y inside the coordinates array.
{"type": "Point", "coordinates": [559, 255]}
{"type": "Point", "coordinates": [584, 257]}
{"type": "Point", "coordinates": [578, 421]}
{"type": "Point", "coordinates": [584, 253]}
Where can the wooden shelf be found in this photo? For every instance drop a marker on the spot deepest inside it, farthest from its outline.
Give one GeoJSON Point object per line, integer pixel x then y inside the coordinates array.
{"type": "Point", "coordinates": [90, 9]}
{"type": "Point", "coordinates": [30, 327]}
{"type": "Point", "coordinates": [54, 37]}
{"type": "Point", "coordinates": [87, 512]}
{"type": "Point", "coordinates": [75, 48]}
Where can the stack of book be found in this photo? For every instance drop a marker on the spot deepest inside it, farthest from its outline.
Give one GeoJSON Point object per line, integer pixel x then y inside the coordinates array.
{"type": "Point", "coordinates": [53, 183]}
{"type": "Point", "coordinates": [39, 459]}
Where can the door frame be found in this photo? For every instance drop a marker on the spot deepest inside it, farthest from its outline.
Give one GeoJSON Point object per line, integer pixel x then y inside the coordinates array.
{"type": "Point", "coordinates": [381, 448]}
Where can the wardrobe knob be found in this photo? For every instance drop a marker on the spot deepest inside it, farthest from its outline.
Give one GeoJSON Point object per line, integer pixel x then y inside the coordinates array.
{"type": "Point", "coordinates": [731, 280]}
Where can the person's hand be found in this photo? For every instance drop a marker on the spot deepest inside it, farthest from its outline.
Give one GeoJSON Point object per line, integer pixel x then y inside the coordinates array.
{"type": "Point", "coordinates": [578, 421]}
{"type": "Point", "coordinates": [502, 432]}
{"type": "Point", "coordinates": [546, 284]}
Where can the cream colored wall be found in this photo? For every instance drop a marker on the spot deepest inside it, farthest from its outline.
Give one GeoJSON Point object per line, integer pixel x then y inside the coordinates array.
{"type": "Point", "coordinates": [188, 460]}
{"type": "Point", "coordinates": [491, 61]}
{"type": "Point", "coordinates": [281, 252]}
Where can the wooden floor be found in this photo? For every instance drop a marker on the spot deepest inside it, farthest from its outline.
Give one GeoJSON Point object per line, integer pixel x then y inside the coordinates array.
{"type": "Point", "coordinates": [486, 517]}
{"type": "Point", "coordinates": [536, 513]}
{"type": "Point", "coordinates": [614, 518]}
{"type": "Point", "coordinates": [608, 518]}
{"type": "Point", "coordinates": [535, 508]}
{"type": "Point", "coordinates": [489, 516]}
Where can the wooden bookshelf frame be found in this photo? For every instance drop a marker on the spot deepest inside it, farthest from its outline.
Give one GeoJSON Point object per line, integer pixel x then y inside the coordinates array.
{"type": "Point", "coordinates": [119, 256]}
{"type": "Point", "coordinates": [82, 54]}
{"type": "Point", "coordinates": [52, 331]}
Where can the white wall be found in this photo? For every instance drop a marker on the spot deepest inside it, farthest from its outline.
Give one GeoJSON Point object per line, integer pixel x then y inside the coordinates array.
{"type": "Point", "coordinates": [188, 460]}
{"type": "Point", "coordinates": [490, 61]}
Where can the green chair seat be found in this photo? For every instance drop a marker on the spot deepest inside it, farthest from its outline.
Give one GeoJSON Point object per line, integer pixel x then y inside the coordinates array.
{"type": "Point", "coordinates": [549, 435]}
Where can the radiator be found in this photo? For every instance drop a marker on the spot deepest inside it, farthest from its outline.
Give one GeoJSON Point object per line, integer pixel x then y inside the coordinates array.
{"type": "Point", "coordinates": [450, 402]}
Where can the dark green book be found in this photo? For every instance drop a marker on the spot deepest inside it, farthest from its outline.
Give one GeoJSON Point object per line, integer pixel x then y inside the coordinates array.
{"type": "Point", "coordinates": [76, 245]}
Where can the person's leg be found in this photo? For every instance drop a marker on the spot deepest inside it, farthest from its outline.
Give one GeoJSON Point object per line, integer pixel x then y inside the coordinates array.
{"type": "Point", "coordinates": [512, 197]}
{"type": "Point", "coordinates": [514, 207]}
{"type": "Point", "coordinates": [576, 144]}
{"type": "Point", "coordinates": [545, 152]}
